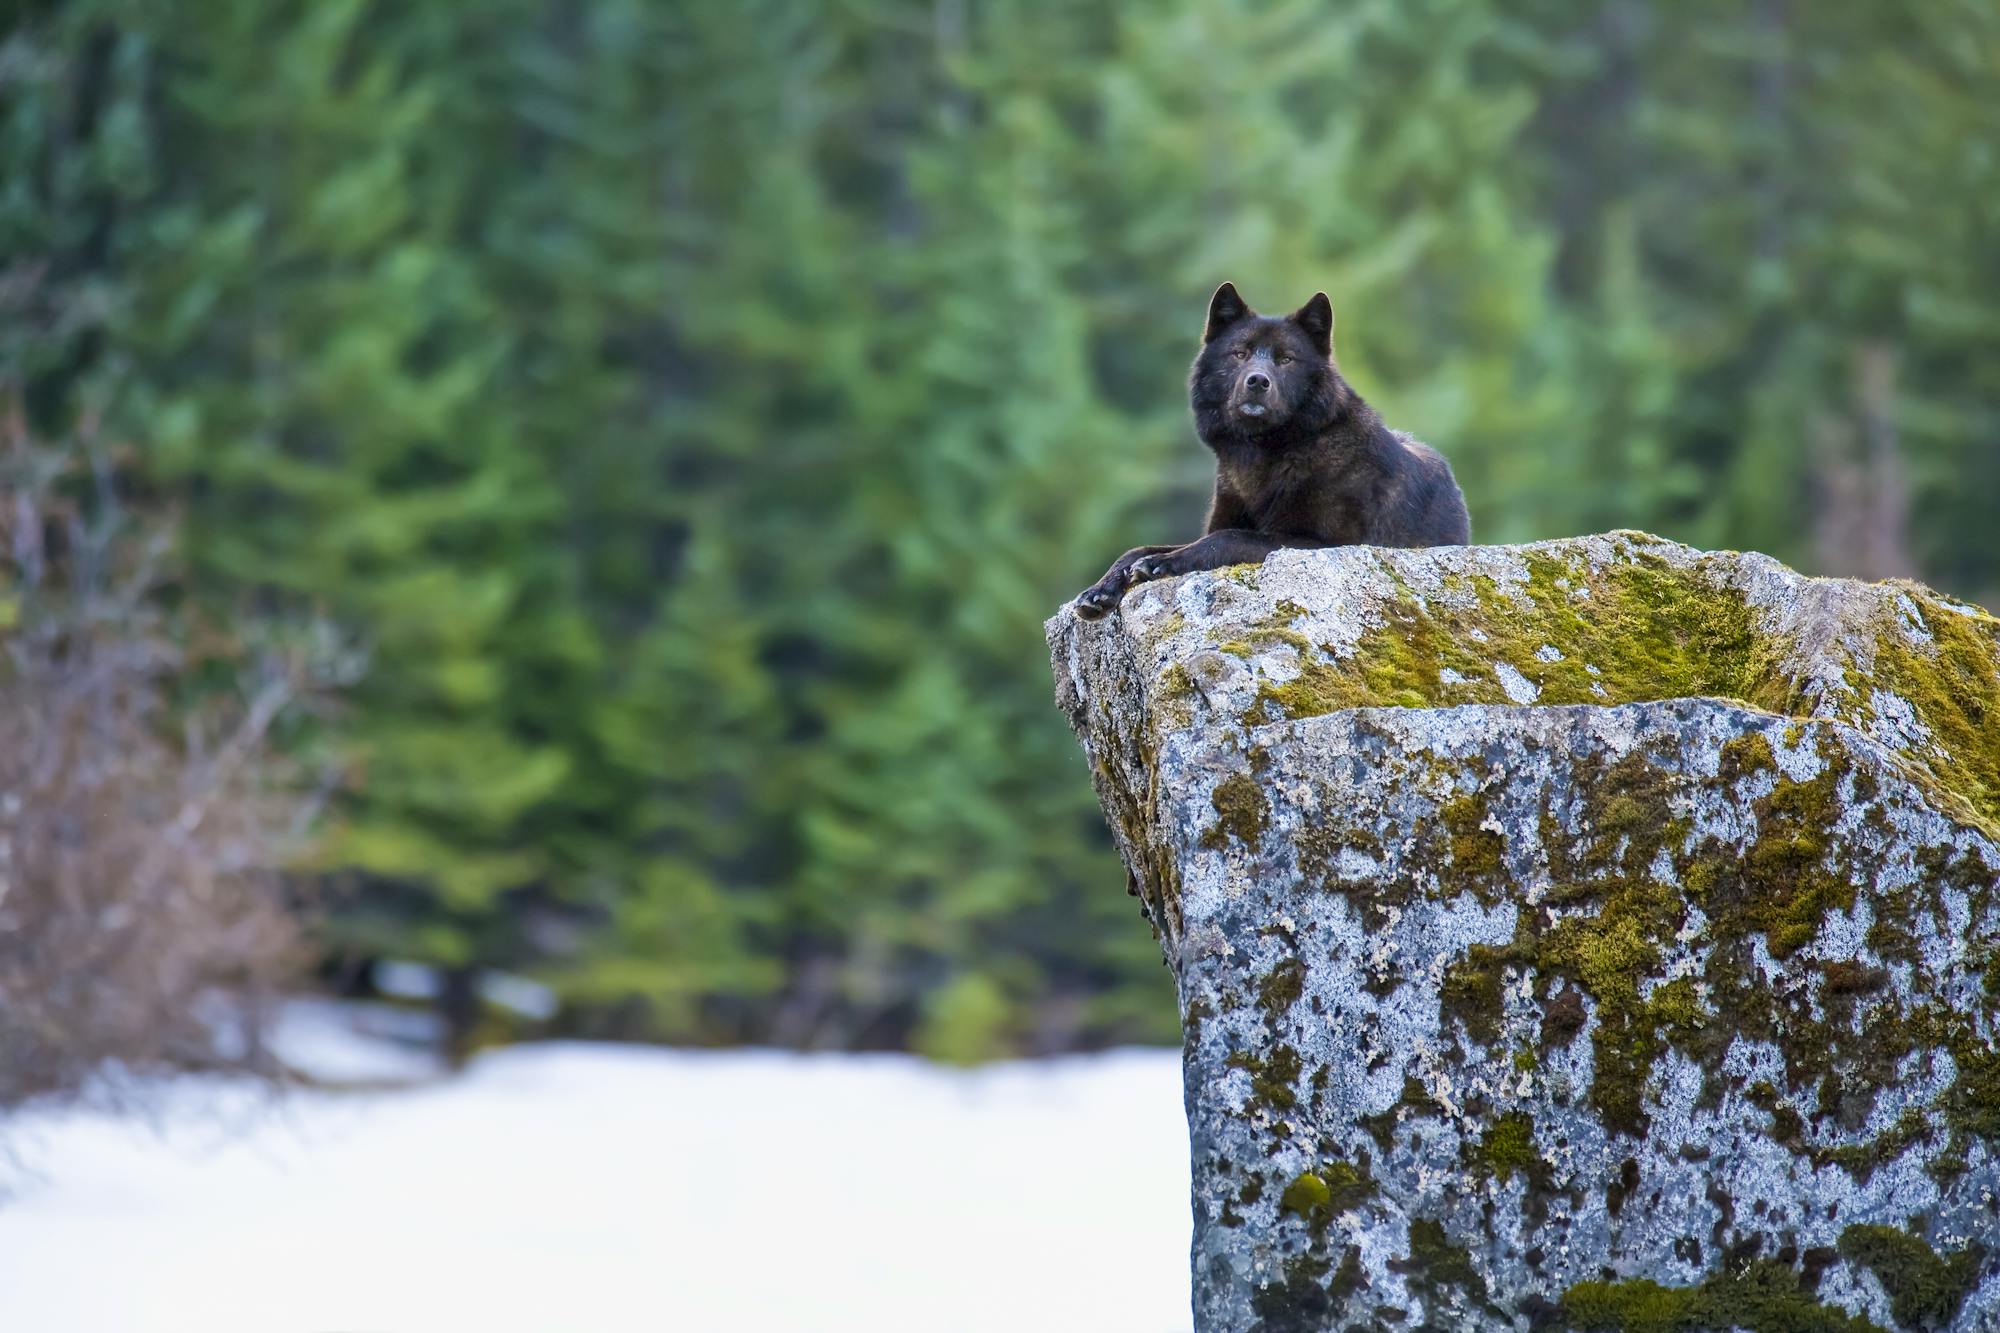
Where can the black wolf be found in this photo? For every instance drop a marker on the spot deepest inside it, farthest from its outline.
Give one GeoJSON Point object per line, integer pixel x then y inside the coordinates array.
{"type": "Point", "coordinates": [1300, 460]}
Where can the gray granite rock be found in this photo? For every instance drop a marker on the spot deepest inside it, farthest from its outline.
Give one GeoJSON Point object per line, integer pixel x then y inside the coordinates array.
{"type": "Point", "coordinates": [1593, 934]}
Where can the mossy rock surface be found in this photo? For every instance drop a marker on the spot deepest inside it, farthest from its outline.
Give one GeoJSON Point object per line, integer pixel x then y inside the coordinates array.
{"type": "Point", "coordinates": [1594, 934]}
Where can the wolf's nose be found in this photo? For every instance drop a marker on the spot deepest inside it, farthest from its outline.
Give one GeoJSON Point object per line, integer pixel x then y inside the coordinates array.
{"type": "Point", "coordinates": [1257, 381]}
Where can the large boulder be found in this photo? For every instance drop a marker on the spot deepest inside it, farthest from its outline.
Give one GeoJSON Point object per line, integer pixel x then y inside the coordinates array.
{"type": "Point", "coordinates": [1592, 934]}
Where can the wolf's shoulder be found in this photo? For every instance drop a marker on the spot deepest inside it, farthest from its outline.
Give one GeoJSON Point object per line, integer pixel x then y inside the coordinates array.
{"type": "Point", "coordinates": [1415, 445]}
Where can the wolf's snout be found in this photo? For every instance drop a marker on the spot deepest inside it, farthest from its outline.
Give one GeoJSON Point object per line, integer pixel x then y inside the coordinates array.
{"type": "Point", "coordinates": [1257, 382]}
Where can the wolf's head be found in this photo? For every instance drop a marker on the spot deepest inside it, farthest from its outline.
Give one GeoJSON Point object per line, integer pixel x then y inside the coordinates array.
{"type": "Point", "coordinates": [1265, 379]}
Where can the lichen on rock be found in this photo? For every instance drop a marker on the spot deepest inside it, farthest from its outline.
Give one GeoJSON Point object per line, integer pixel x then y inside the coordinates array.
{"type": "Point", "coordinates": [1594, 934]}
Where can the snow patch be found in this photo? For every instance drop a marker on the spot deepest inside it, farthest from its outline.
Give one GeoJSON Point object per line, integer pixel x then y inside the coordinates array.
{"type": "Point", "coordinates": [581, 1186]}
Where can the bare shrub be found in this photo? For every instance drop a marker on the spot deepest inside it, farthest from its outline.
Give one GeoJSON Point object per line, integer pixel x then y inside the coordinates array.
{"type": "Point", "coordinates": [143, 809]}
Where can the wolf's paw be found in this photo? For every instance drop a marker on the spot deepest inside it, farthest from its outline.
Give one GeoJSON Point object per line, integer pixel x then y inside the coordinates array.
{"type": "Point", "coordinates": [1100, 600]}
{"type": "Point", "coordinates": [1161, 566]}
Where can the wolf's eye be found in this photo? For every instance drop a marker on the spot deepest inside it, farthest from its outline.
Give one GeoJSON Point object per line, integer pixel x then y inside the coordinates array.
{"type": "Point", "coordinates": [1241, 354]}
{"type": "Point", "coordinates": [1282, 359]}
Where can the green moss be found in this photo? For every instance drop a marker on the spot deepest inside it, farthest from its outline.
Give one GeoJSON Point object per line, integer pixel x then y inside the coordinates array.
{"type": "Point", "coordinates": [1273, 1079]}
{"type": "Point", "coordinates": [1676, 1006]}
{"type": "Point", "coordinates": [1609, 953]}
{"type": "Point", "coordinates": [1240, 812]}
{"type": "Point", "coordinates": [1281, 988]}
{"type": "Point", "coordinates": [1348, 1279]}
{"type": "Point", "coordinates": [1624, 813]}
{"type": "Point", "coordinates": [1989, 975]}
{"type": "Point", "coordinates": [1154, 868]}
{"type": "Point", "coordinates": [1602, 924]}
{"type": "Point", "coordinates": [1612, 950]}
{"type": "Point", "coordinates": [1313, 692]}
{"type": "Point", "coordinates": [1628, 632]}
{"type": "Point", "coordinates": [1610, 909]}
{"type": "Point", "coordinates": [1509, 1148]}
{"type": "Point", "coordinates": [1305, 1196]}
{"type": "Point", "coordinates": [1780, 885]}
{"type": "Point", "coordinates": [1744, 755]}
{"type": "Point", "coordinates": [1299, 1302]}
{"type": "Point", "coordinates": [1196, 1013]}
{"type": "Point", "coordinates": [1261, 637]}
{"type": "Point", "coordinates": [1382, 1126]}
{"type": "Point", "coordinates": [1643, 629]}
{"type": "Point", "coordinates": [1436, 1268]}
{"type": "Point", "coordinates": [1348, 1183]}
{"type": "Point", "coordinates": [1475, 849]}
{"type": "Point", "coordinates": [1953, 684]}
{"type": "Point", "coordinates": [1848, 977]}
{"type": "Point", "coordinates": [1972, 1104]}
{"type": "Point", "coordinates": [1784, 884]}
{"type": "Point", "coordinates": [1787, 1126]}
{"type": "Point", "coordinates": [1474, 989]}
{"type": "Point", "coordinates": [1322, 1194]}
{"type": "Point", "coordinates": [1305, 1297]}
{"type": "Point", "coordinates": [1925, 1290]}
{"type": "Point", "coordinates": [1628, 818]}
{"type": "Point", "coordinates": [1764, 1297]}
{"type": "Point", "coordinates": [1639, 1306]}
{"type": "Point", "coordinates": [1860, 1160]}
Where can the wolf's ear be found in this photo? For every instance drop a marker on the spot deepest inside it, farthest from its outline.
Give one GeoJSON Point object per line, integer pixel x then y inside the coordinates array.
{"type": "Point", "coordinates": [1316, 318]}
{"type": "Point", "coordinates": [1224, 308]}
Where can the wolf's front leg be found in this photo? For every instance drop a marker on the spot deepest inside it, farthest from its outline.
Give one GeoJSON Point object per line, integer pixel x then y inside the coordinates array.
{"type": "Point", "coordinates": [1101, 597]}
{"type": "Point", "coordinates": [1230, 546]}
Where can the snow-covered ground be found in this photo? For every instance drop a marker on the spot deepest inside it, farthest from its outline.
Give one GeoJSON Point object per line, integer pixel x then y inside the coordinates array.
{"type": "Point", "coordinates": [589, 1188]}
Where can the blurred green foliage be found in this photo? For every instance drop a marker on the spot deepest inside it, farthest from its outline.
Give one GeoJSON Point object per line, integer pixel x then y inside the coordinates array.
{"type": "Point", "coordinates": [695, 408]}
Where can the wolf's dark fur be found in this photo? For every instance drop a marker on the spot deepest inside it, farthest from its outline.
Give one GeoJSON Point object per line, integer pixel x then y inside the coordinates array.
{"type": "Point", "coordinates": [1300, 460]}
